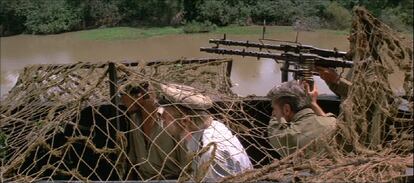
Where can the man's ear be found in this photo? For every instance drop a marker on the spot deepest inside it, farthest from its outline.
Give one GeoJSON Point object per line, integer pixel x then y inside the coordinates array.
{"type": "Point", "coordinates": [286, 110]}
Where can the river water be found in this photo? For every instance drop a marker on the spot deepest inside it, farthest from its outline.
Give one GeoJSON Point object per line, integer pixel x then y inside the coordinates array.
{"type": "Point", "coordinates": [249, 75]}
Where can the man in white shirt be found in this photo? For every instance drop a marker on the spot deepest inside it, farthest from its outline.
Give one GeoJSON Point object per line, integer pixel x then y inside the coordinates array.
{"type": "Point", "coordinates": [217, 153]}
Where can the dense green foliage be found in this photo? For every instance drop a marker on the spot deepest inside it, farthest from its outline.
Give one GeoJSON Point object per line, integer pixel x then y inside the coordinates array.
{"type": "Point", "coordinates": [54, 16]}
{"type": "Point", "coordinates": [50, 17]}
{"type": "Point", "coordinates": [197, 27]}
{"type": "Point", "coordinates": [338, 16]}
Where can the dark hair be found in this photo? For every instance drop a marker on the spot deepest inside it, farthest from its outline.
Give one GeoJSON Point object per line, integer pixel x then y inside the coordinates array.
{"type": "Point", "coordinates": [137, 89]}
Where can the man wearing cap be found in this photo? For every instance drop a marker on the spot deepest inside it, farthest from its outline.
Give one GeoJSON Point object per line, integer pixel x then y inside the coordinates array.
{"type": "Point", "coordinates": [216, 152]}
{"type": "Point", "coordinates": [297, 118]}
{"type": "Point", "coordinates": [153, 153]}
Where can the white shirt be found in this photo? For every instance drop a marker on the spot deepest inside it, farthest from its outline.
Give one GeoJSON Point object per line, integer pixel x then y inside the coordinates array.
{"type": "Point", "coordinates": [229, 158]}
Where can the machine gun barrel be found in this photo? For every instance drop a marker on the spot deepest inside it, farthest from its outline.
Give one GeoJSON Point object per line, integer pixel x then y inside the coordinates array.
{"type": "Point", "coordinates": [282, 47]}
{"type": "Point", "coordinates": [287, 56]}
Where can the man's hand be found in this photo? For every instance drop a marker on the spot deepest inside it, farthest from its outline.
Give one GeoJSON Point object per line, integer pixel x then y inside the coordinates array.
{"type": "Point", "coordinates": [329, 75]}
{"type": "Point", "coordinates": [313, 94]}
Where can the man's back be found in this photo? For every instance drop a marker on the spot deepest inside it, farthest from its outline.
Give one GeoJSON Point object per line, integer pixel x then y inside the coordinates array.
{"type": "Point", "coordinates": [305, 127]}
{"type": "Point", "coordinates": [229, 156]}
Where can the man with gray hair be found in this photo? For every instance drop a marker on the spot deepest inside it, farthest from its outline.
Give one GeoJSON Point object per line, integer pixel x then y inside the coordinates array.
{"type": "Point", "coordinates": [297, 119]}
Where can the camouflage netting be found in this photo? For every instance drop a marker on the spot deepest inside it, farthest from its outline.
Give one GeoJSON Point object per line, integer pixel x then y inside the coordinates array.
{"type": "Point", "coordinates": [374, 141]}
{"type": "Point", "coordinates": [61, 122]}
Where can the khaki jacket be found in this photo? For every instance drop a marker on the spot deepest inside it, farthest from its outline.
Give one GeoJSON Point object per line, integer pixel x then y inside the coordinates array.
{"type": "Point", "coordinates": [341, 88]}
{"type": "Point", "coordinates": [159, 157]}
{"type": "Point", "coordinates": [306, 126]}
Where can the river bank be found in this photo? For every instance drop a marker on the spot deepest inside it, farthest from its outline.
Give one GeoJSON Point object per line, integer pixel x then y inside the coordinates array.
{"type": "Point", "coordinates": [124, 33]}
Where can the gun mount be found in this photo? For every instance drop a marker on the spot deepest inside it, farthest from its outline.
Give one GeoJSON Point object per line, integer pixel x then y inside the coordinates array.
{"type": "Point", "coordinates": [304, 58]}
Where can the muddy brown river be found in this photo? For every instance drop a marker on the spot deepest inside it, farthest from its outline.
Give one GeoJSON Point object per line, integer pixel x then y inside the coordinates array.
{"type": "Point", "coordinates": [249, 75]}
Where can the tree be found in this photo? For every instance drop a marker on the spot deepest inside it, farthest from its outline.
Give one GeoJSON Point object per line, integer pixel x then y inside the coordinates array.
{"type": "Point", "coordinates": [279, 12]}
{"type": "Point", "coordinates": [190, 9]}
{"type": "Point", "coordinates": [11, 22]}
{"type": "Point", "coordinates": [48, 16]}
{"type": "Point", "coordinates": [215, 11]}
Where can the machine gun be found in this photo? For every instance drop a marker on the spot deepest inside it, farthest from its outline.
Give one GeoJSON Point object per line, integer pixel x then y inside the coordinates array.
{"type": "Point", "coordinates": [304, 58]}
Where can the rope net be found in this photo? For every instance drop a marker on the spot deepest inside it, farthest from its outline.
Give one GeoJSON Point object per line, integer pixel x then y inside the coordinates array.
{"type": "Point", "coordinates": [373, 141]}
{"type": "Point", "coordinates": [179, 120]}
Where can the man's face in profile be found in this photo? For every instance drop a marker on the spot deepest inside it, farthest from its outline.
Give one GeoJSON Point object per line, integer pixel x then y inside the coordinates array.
{"type": "Point", "coordinates": [134, 102]}
{"type": "Point", "coordinates": [277, 111]}
{"type": "Point", "coordinates": [139, 95]}
{"type": "Point", "coordinates": [172, 120]}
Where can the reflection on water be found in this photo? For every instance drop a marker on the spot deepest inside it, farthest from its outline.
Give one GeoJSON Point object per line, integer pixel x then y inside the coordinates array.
{"type": "Point", "coordinates": [251, 76]}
